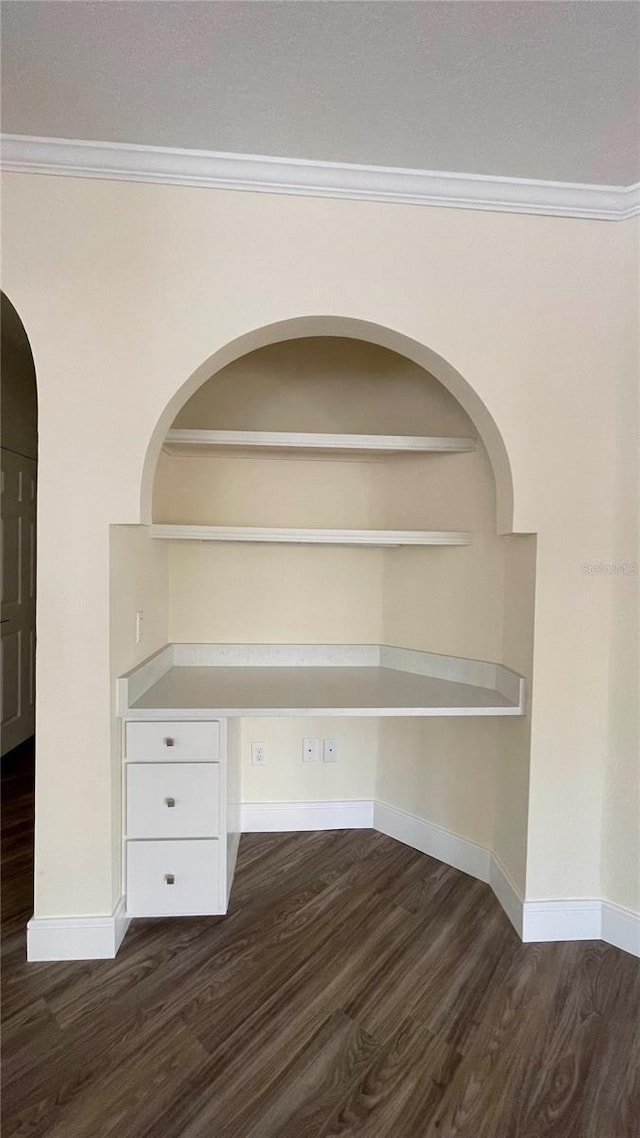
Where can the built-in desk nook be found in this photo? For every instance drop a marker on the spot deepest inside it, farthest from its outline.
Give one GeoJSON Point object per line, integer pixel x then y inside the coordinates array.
{"type": "Point", "coordinates": [322, 559]}
{"type": "Point", "coordinates": [182, 778]}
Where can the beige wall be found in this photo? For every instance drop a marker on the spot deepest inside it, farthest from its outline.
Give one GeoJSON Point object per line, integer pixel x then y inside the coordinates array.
{"type": "Point", "coordinates": [151, 281]}
{"type": "Point", "coordinates": [513, 736]}
{"type": "Point", "coordinates": [276, 593]}
{"type": "Point", "coordinates": [265, 492]}
{"type": "Point", "coordinates": [326, 384]}
{"type": "Point", "coordinates": [442, 771]}
{"type": "Point", "coordinates": [621, 828]}
{"type": "Point", "coordinates": [139, 581]}
{"type": "Point", "coordinates": [285, 778]}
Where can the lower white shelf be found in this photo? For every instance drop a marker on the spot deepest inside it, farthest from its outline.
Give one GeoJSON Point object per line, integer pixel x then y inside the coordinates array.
{"type": "Point", "coordinates": [385, 537]}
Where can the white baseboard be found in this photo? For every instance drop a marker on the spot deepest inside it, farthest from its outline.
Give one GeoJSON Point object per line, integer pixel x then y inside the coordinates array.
{"type": "Point", "coordinates": [98, 938]}
{"type": "Point", "coordinates": [591, 919]}
{"type": "Point", "coordinates": [433, 840]}
{"type": "Point", "coordinates": [561, 920]}
{"type": "Point", "coordinates": [257, 817]}
{"type": "Point", "coordinates": [507, 892]}
{"type": "Point", "coordinates": [233, 845]}
{"type": "Point", "coordinates": [77, 938]}
{"type": "Point", "coordinates": [621, 927]}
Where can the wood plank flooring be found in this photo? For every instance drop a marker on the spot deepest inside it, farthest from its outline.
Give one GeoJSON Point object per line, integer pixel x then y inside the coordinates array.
{"type": "Point", "coordinates": [356, 988]}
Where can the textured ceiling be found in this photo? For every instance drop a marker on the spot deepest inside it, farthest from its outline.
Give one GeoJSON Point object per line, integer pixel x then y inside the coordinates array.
{"type": "Point", "coordinates": [542, 89]}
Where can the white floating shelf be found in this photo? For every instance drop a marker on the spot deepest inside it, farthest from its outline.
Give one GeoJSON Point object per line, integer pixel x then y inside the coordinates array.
{"type": "Point", "coordinates": [191, 442]}
{"type": "Point", "coordinates": [310, 536]}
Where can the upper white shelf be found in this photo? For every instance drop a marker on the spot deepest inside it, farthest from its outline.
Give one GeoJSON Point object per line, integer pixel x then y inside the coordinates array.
{"type": "Point", "coordinates": [191, 442]}
{"type": "Point", "coordinates": [310, 536]}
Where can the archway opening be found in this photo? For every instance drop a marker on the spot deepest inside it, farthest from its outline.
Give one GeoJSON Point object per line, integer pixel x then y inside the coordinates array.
{"type": "Point", "coordinates": [19, 442]}
{"type": "Point", "coordinates": [19, 462]}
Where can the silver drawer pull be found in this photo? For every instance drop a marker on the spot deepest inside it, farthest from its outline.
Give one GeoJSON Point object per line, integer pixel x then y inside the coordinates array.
{"type": "Point", "coordinates": [169, 801]}
{"type": "Point", "coordinates": [169, 879]}
{"type": "Point", "coordinates": [169, 742]}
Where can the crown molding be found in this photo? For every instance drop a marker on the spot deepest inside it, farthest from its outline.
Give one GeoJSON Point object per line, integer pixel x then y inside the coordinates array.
{"type": "Point", "coordinates": [169, 166]}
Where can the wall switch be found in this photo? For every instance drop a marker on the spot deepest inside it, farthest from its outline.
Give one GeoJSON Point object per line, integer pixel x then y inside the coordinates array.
{"type": "Point", "coordinates": [310, 750]}
{"type": "Point", "coordinates": [258, 754]}
{"type": "Point", "coordinates": [139, 626]}
{"type": "Point", "coordinates": [329, 750]}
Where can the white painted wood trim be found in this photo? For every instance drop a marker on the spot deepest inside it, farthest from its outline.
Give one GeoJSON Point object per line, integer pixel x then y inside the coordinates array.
{"type": "Point", "coordinates": [512, 686]}
{"type": "Point", "coordinates": [276, 655]}
{"type": "Point", "coordinates": [589, 919]}
{"type": "Point", "coordinates": [553, 920]}
{"type": "Point", "coordinates": [77, 938]}
{"type": "Point", "coordinates": [258, 173]}
{"type": "Point", "coordinates": [198, 442]}
{"type": "Point", "coordinates": [621, 927]}
{"type": "Point", "coordinates": [263, 817]}
{"type": "Point", "coordinates": [430, 839]}
{"type": "Point", "coordinates": [98, 938]}
{"type": "Point", "coordinates": [480, 673]}
{"type": "Point", "coordinates": [561, 920]}
{"type": "Point", "coordinates": [298, 712]}
{"type": "Point", "coordinates": [506, 892]}
{"type": "Point", "coordinates": [139, 679]}
{"type": "Point", "coordinates": [310, 536]}
{"type": "Point", "coordinates": [233, 846]}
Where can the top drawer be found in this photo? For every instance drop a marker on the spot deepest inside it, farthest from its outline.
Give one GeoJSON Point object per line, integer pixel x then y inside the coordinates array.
{"type": "Point", "coordinates": [174, 741]}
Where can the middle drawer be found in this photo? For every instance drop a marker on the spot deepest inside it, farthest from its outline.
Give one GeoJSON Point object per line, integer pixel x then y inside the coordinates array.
{"type": "Point", "coordinates": [173, 800]}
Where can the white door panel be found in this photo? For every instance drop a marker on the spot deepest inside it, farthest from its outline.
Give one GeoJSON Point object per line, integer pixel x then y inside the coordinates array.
{"type": "Point", "coordinates": [18, 593]}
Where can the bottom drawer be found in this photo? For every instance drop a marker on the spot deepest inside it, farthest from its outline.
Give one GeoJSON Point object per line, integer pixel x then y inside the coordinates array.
{"type": "Point", "coordinates": [173, 878]}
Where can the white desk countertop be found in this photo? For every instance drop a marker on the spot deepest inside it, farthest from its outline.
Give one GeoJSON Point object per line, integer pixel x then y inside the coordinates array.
{"type": "Point", "coordinates": [217, 689]}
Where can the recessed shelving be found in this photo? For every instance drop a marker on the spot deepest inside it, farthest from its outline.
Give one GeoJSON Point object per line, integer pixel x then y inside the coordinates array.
{"type": "Point", "coordinates": [194, 442]}
{"type": "Point", "coordinates": [292, 536]}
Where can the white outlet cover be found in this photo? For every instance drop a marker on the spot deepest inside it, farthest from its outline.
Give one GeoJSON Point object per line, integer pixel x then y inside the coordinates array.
{"type": "Point", "coordinates": [311, 750]}
{"type": "Point", "coordinates": [258, 754]}
{"type": "Point", "coordinates": [329, 751]}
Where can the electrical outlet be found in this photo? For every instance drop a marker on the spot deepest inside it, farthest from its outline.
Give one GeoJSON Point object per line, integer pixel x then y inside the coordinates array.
{"type": "Point", "coordinates": [329, 750]}
{"type": "Point", "coordinates": [139, 626]}
{"type": "Point", "coordinates": [258, 754]}
{"type": "Point", "coordinates": [310, 750]}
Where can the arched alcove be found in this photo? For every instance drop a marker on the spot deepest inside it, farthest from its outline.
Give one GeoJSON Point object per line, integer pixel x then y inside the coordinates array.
{"type": "Point", "coordinates": [465, 776]}
{"type": "Point", "coordinates": [347, 327]}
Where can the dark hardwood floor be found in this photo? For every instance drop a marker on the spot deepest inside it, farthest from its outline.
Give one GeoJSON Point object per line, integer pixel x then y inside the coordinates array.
{"type": "Point", "coordinates": [355, 988]}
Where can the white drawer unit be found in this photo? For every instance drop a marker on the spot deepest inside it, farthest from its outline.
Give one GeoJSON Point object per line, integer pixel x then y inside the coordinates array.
{"type": "Point", "coordinates": [173, 800]}
{"type": "Point", "coordinates": [174, 878]}
{"type": "Point", "coordinates": [181, 817]}
{"type": "Point", "coordinates": [172, 741]}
